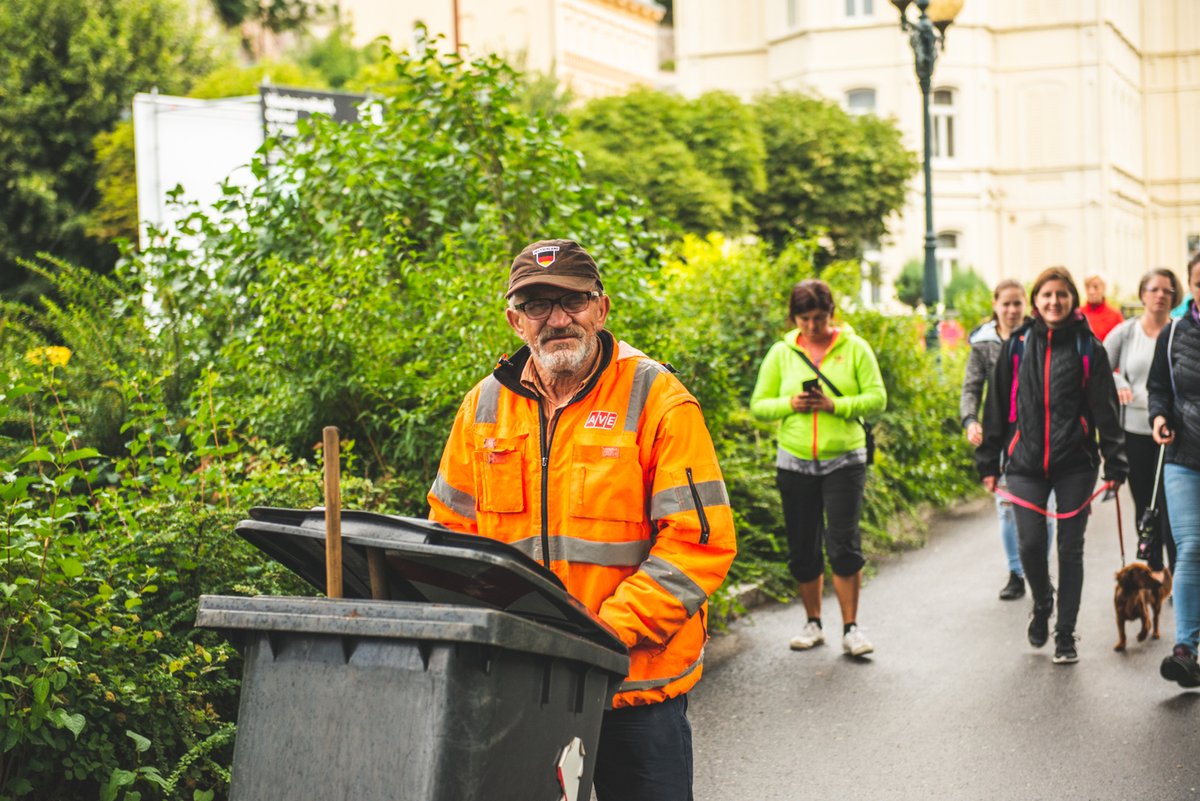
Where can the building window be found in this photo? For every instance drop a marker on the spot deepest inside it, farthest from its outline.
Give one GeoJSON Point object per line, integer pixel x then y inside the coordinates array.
{"type": "Point", "coordinates": [947, 256]}
{"type": "Point", "coordinates": [792, 12]}
{"type": "Point", "coordinates": [941, 117]}
{"type": "Point", "coordinates": [860, 101]}
{"type": "Point", "coordinates": [860, 8]}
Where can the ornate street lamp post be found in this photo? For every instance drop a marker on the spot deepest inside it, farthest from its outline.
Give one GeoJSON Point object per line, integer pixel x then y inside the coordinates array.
{"type": "Point", "coordinates": [925, 44]}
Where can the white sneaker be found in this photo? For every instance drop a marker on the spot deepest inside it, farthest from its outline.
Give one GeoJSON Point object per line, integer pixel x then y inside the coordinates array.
{"type": "Point", "coordinates": [855, 643]}
{"type": "Point", "coordinates": [809, 637]}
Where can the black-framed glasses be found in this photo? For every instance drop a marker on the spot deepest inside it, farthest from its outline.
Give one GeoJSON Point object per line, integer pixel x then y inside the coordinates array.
{"type": "Point", "coordinates": [571, 303]}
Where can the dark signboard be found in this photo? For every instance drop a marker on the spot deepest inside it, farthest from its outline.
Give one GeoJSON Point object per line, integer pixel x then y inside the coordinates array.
{"type": "Point", "coordinates": [283, 107]}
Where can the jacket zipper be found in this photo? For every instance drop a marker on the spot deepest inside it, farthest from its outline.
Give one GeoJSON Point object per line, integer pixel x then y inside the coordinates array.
{"type": "Point", "coordinates": [704, 529]}
{"type": "Point", "coordinates": [1046, 397]}
{"type": "Point", "coordinates": [546, 439]}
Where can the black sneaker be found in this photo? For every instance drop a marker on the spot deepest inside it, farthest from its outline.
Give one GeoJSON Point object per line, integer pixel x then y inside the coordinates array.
{"type": "Point", "coordinates": [1039, 624]}
{"type": "Point", "coordinates": [1181, 668]}
{"type": "Point", "coordinates": [1014, 589]}
{"type": "Point", "coordinates": [1064, 648]}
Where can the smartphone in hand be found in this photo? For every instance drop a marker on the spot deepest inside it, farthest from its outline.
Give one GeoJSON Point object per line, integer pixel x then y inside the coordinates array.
{"type": "Point", "coordinates": [811, 385]}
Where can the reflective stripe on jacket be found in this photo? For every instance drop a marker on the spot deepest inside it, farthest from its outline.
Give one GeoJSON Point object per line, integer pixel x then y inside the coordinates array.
{"type": "Point", "coordinates": [626, 498]}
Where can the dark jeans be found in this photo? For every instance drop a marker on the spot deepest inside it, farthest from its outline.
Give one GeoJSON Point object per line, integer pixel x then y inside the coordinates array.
{"type": "Point", "coordinates": [823, 510]}
{"type": "Point", "coordinates": [645, 753]}
{"type": "Point", "coordinates": [1143, 459]}
{"type": "Point", "coordinates": [1071, 489]}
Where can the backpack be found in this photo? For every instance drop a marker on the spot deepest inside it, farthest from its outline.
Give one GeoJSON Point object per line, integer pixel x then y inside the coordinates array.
{"type": "Point", "coordinates": [1084, 346]}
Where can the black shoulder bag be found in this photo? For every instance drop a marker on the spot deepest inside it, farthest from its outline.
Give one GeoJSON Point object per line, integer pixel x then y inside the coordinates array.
{"type": "Point", "coordinates": [868, 428]}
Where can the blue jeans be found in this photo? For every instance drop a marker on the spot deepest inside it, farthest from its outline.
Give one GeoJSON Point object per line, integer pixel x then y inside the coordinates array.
{"type": "Point", "coordinates": [1183, 505]}
{"type": "Point", "coordinates": [1008, 532]}
{"type": "Point", "coordinates": [645, 753]}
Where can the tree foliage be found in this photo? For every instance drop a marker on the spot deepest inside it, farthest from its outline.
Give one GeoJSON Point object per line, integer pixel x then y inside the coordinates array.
{"type": "Point", "coordinates": [68, 70]}
{"type": "Point", "coordinates": [968, 295]}
{"type": "Point", "coordinates": [910, 284]}
{"type": "Point", "coordinates": [697, 163]}
{"type": "Point", "coordinates": [786, 165]}
{"type": "Point", "coordinates": [115, 214]}
{"type": "Point", "coordinates": [828, 170]}
{"type": "Point", "coordinates": [273, 15]}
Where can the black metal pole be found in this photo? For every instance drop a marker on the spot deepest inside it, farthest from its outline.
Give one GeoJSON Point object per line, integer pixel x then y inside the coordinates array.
{"type": "Point", "coordinates": [924, 45]}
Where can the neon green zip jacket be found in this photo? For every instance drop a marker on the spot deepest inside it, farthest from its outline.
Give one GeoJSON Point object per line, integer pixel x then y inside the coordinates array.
{"type": "Point", "coordinates": [850, 364]}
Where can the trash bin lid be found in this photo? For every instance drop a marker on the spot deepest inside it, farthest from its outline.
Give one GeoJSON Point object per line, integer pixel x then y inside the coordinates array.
{"type": "Point", "coordinates": [402, 620]}
{"type": "Point", "coordinates": [425, 562]}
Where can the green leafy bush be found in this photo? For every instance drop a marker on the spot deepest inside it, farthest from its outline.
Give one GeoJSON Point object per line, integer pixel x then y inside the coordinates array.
{"type": "Point", "coordinates": [361, 283]}
{"type": "Point", "coordinates": [106, 691]}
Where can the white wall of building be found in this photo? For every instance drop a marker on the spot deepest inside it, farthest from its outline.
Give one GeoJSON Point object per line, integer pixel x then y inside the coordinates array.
{"type": "Point", "coordinates": [1070, 118]}
{"type": "Point", "coordinates": [597, 47]}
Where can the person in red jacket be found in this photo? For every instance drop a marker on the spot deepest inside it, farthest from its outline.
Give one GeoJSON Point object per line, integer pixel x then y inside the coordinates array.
{"type": "Point", "coordinates": [593, 459]}
{"type": "Point", "coordinates": [1100, 316]}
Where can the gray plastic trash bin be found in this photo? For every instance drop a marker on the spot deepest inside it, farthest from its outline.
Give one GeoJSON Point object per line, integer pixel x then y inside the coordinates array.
{"type": "Point", "coordinates": [486, 681]}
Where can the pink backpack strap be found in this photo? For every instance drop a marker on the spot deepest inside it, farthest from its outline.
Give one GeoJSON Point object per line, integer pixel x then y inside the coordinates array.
{"type": "Point", "coordinates": [1012, 397]}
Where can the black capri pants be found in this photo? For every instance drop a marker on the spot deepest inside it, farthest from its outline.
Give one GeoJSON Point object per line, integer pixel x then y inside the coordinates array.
{"type": "Point", "coordinates": [821, 513]}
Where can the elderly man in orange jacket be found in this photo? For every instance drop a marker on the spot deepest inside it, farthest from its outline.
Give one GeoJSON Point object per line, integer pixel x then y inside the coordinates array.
{"type": "Point", "coordinates": [594, 460]}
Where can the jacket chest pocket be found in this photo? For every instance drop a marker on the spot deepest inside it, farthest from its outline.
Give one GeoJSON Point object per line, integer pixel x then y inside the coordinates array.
{"type": "Point", "coordinates": [500, 474]}
{"type": "Point", "coordinates": [606, 483]}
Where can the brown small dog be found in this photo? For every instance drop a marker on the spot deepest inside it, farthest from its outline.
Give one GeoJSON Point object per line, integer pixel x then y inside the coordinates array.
{"type": "Point", "coordinates": [1137, 593]}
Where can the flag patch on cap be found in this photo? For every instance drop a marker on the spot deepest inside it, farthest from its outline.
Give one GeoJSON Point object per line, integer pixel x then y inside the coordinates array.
{"type": "Point", "coordinates": [546, 256]}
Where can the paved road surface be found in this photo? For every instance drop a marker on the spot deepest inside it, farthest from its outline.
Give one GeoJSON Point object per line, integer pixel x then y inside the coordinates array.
{"type": "Point", "coordinates": [954, 704]}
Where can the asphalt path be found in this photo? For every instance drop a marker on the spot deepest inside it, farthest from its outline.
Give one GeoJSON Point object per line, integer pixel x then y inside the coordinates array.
{"type": "Point", "coordinates": [954, 703]}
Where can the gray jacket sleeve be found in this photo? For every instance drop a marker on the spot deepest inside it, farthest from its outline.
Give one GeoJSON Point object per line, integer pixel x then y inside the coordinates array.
{"type": "Point", "coordinates": [1114, 345]}
{"type": "Point", "coordinates": [978, 367]}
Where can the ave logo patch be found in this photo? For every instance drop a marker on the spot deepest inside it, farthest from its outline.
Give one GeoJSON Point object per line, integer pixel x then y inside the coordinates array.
{"type": "Point", "coordinates": [545, 256]}
{"type": "Point", "coordinates": [604, 420]}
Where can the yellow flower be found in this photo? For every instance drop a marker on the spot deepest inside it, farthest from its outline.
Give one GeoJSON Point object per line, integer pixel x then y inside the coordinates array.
{"type": "Point", "coordinates": [54, 355]}
{"type": "Point", "coordinates": [108, 696]}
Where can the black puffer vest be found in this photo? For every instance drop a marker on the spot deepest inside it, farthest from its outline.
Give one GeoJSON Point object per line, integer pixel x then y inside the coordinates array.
{"type": "Point", "coordinates": [1065, 413]}
{"type": "Point", "coordinates": [1181, 405]}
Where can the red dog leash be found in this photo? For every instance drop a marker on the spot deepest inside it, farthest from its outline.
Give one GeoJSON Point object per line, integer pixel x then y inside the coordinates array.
{"type": "Point", "coordinates": [1008, 496]}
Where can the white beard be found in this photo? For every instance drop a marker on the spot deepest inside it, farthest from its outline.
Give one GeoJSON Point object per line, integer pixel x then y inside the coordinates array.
{"type": "Point", "coordinates": [564, 360]}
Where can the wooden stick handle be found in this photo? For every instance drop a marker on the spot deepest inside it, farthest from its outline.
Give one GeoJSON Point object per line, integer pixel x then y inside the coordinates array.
{"type": "Point", "coordinates": [333, 512]}
{"type": "Point", "coordinates": [377, 571]}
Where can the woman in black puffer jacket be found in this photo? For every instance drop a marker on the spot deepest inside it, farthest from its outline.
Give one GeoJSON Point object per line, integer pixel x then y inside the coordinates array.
{"type": "Point", "coordinates": [1174, 388]}
{"type": "Point", "coordinates": [1051, 393]}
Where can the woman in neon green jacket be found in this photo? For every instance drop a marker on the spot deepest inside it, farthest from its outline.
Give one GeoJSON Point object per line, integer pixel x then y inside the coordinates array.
{"type": "Point", "coordinates": [821, 466]}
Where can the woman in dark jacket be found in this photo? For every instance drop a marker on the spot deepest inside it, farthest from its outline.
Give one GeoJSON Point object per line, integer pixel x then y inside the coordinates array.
{"type": "Point", "coordinates": [1174, 389]}
{"type": "Point", "coordinates": [1051, 392]}
{"type": "Point", "coordinates": [1008, 315]}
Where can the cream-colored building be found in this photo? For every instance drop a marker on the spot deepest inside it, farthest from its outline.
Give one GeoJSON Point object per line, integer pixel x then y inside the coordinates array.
{"type": "Point", "coordinates": [1064, 131]}
{"type": "Point", "coordinates": [595, 47]}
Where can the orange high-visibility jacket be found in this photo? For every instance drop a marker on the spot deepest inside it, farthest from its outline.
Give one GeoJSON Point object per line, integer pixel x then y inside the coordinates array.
{"type": "Point", "coordinates": [626, 497]}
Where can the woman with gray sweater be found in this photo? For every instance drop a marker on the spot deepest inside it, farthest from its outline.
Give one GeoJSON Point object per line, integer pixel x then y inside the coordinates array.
{"type": "Point", "coordinates": [1130, 348]}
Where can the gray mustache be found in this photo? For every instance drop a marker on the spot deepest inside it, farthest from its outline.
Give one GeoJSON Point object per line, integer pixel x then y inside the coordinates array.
{"type": "Point", "coordinates": [553, 333]}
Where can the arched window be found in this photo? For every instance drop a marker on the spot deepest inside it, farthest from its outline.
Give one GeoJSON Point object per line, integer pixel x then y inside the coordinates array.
{"type": "Point", "coordinates": [860, 101]}
{"type": "Point", "coordinates": [941, 118]}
